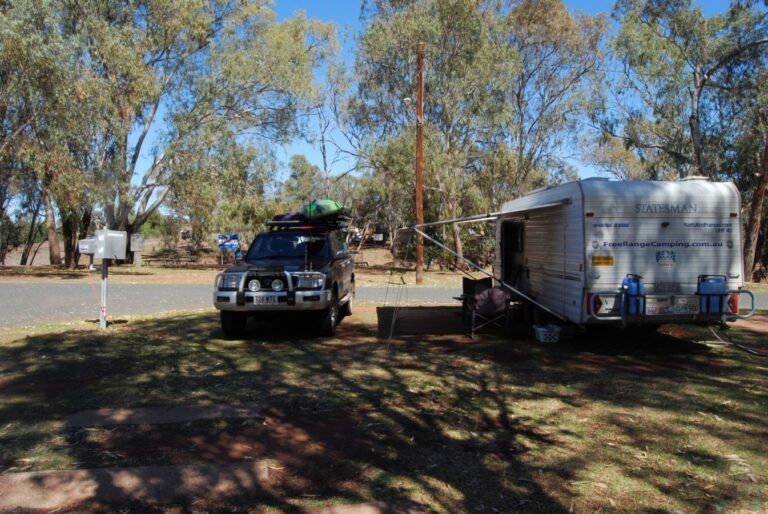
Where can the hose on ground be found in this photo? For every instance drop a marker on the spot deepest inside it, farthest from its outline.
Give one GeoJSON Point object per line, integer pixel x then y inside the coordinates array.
{"type": "Point", "coordinates": [733, 343]}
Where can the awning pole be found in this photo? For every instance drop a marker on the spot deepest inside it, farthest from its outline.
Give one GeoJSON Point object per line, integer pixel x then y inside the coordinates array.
{"type": "Point", "coordinates": [418, 230]}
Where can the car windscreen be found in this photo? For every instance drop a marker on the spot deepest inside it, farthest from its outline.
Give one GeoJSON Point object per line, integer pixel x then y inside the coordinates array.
{"type": "Point", "coordinates": [280, 245]}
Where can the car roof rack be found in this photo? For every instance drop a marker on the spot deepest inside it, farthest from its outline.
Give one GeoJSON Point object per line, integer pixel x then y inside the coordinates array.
{"type": "Point", "coordinates": [297, 221]}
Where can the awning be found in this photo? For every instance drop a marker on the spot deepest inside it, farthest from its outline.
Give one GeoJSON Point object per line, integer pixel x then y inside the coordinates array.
{"type": "Point", "coordinates": [495, 215]}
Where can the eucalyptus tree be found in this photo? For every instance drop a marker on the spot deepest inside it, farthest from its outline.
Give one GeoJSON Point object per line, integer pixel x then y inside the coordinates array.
{"type": "Point", "coordinates": [463, 67]}
{"type": "Point", "coordinates": [35, 81]}
{"type": "Point", "coordinates": [545, 102]}
{"type": "Point", "coordinates": [222, 190]}
{"type": "Point", "coordinates": [305, 182]}
{"type": "Point", "coordinates": [742, 110]}
{"type": "Point", "coordinates": [674, 61]}
{"type": "Point", "coordinates": [504, 90]}
{"type": "Point", "coordinates": [160, 72]}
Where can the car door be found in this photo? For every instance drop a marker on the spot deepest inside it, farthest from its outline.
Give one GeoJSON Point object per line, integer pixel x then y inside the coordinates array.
{"type": "Point", "coordinates": [343, 260]}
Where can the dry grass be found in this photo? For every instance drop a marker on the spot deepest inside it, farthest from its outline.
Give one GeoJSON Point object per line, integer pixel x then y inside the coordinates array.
{"type": "Point", "coordinates": [456, 425]}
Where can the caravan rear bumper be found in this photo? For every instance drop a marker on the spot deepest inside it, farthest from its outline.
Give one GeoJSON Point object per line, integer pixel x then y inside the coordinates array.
{"type": "Point", "coordinates": [606, 307]}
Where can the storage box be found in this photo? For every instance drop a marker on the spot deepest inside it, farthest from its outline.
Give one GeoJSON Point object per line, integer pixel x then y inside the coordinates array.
{"type": "Point", "coordinates": [547, 333]}
{"type": "Point", "coordinates": [110, 244]}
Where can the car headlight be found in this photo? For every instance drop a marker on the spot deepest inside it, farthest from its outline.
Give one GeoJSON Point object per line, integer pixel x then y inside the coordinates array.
{"type": "Point", "coordinates": [230, 281]}
{"type": "Point", "coordinates": [254, 285]}
{"type": "Point", "coordinates": [310, 280]}
{"type": "Point", "coordinates": [277, 285]}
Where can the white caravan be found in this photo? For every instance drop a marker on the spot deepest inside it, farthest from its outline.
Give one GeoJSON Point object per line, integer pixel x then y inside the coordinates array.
{"type": "Point", "coordinates": [602, 251]}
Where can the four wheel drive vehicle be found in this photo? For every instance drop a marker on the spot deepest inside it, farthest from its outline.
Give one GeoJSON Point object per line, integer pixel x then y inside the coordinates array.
{"type": "Point", "coordinates": [295, 267]}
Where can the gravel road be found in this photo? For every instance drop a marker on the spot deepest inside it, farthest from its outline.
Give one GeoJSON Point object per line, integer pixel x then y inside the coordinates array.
{"type": "Point", "coordinates": [29, 304]}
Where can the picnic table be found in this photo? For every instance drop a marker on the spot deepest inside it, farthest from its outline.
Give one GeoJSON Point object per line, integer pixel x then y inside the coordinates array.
{"type": "Point", "coordinates": [167, 260]}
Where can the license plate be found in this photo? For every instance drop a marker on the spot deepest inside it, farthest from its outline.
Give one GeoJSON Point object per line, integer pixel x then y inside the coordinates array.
{"type": "Point", "coordinates": [265, 300]}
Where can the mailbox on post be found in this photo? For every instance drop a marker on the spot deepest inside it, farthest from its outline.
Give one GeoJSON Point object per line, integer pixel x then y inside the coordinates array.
{"type": "Point", "coordinates": [107, 245]}
{"type": "Point", "coordinates": [110, 244]}
{"type": "Point", "coordinates": [87, 246]}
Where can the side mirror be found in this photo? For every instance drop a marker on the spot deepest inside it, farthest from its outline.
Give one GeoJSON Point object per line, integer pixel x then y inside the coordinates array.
{"type": "Point", "coordinates": [238, 256]}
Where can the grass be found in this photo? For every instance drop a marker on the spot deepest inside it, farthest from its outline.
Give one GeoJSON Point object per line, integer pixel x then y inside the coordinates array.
{"type": "Point", "coordinates": [456, 425]}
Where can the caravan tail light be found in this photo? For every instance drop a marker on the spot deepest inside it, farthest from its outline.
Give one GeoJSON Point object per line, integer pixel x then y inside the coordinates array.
{"type": "Point", "coordinates": [733, 303]}
{"type": "Point", "coordinates": [590, 214]}
{"type": "Point", "coordinates": [734, 215]}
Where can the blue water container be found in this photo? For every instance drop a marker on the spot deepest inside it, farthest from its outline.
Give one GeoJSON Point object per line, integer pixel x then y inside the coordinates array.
{"type": "Point", "coordinates": [633, 290]}
{"type": "Point", "coordinates": [712, 291]}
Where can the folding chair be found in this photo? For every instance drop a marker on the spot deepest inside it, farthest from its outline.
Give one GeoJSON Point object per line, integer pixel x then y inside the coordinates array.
{"type": "Point", "coordinates": [484, 305]}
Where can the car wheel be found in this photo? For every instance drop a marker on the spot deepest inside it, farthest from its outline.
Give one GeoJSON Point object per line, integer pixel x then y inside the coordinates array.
{"type": "Point", "coordinates": [346, 309]}
{"type": "Point", "coordinates": [330, 318]}
{"type": "Point", "coordinates": [233, 323]}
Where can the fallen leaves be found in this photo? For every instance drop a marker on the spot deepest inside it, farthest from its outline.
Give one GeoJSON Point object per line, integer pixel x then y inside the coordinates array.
{"type": "Point", "coordinates": [740, 467]}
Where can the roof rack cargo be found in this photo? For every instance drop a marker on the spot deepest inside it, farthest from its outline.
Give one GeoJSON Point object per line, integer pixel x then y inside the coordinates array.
{"type": "Point", "coordinates": [316, 214]}
{"type": "Point", "coordinates": [296, 220]}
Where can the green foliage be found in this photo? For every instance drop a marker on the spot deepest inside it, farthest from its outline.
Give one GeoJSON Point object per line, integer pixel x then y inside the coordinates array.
{"type": "Point", "coordinates": [304, 184]}
{"type": "Point", "coordinates": [504, 90]}
{"type": "Point", "coordinates": [223, 191]}
{"type": "Point", "coordinates": [681, 72]}
{"type": "Point", "coordinates": [463, 66]}
{"type": "Point", "coordinates": [155, 224]}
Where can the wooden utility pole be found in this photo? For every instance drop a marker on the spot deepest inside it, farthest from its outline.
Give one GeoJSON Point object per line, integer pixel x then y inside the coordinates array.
{"type": "Point", "coordinates": [419, 164]}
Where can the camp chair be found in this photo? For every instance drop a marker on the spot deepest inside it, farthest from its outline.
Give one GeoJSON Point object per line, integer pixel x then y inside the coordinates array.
{"type": "Point", "coordinates": [484, 305]}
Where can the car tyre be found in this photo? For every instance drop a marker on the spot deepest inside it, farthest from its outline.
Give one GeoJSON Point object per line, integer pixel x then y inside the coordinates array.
{"type": "Point", "coordinates": [234, 324]}
{"type": "Point", "coordinates": [346, 309]}
{"type": "Point", "coordinates": [330, 318]}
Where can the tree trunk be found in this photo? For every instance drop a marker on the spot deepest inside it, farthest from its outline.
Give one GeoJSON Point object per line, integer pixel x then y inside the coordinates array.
{"type": "Point", "coordinates": [755, 219]}
{"type": "Point", "coordinates": [30, 235]}
{"type": "Point", "coordinates": [85, 225]}
{"type": "Point", "coordinates": [32, 260]}
{"type": "Point", "coordinates": [54, 251]}
{"type": "Point", "coordinates": [459, 246]}
{"type": "Point", "coordinates": [69, 234]}
{"type": "Point", "coordinates": [74, 227]}
{"type": "Point", "coordinates": [695, 125]}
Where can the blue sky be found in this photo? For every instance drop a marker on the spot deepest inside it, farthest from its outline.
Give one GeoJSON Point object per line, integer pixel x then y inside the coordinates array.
{"type": "Point", "coordinates": [346, 14]}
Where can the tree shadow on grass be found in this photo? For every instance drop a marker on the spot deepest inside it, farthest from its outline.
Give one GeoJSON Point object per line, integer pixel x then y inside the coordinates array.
{"type": "Point", "coordinates": [424, 422]}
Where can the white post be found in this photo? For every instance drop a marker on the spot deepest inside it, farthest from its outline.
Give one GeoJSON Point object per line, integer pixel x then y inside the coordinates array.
{"type": "Point", "coordinates": [103, 305]}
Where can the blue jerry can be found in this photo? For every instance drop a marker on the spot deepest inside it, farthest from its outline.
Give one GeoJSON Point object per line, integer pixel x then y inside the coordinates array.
{"type": "Point", "coordinates": [633, 290]}
{"type": "Point", "coordinates": [712, 290]}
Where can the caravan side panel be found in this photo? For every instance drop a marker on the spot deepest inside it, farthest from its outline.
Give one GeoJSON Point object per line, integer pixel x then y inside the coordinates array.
{"type": "Point", "coordinates": [550, 265]}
